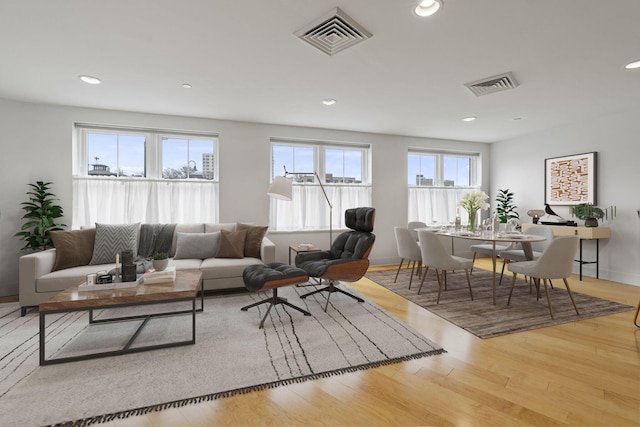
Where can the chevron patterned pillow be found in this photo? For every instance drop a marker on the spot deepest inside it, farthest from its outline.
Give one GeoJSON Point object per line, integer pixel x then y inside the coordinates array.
{"type": "Point", "coordinates": [111, 239]}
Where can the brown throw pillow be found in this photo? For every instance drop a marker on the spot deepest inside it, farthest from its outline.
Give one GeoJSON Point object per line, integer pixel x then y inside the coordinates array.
{"type": "Point", "coordinates": [254, 239]}
{"type": "Point", "coordinates": [231, 244]}
{"type": "Point", "coordinates": [73, 247]}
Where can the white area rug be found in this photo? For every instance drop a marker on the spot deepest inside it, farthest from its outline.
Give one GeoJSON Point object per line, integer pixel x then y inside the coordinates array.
{"type": "Point", "coordinates": [231, 355]}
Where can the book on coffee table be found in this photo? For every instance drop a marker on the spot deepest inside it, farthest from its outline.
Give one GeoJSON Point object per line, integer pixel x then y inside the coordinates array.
{"type": "Point", "coordinates": [113, 285]}
{"type": "Point", "coordinates": [168, 275]}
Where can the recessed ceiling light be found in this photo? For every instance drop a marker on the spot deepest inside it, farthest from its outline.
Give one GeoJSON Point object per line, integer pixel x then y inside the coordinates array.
{"type": "Point", "coordinates": [91, 80]}
{"type": "Point", "coordinates": [428, 7]}
{"type": "Point", "coordinates": [186, 85]}
{"type": "Point", "coordinates": [469, 119]}
{"type": "Point", "coordinates": [633, 65]}
{"type": "Point", "coordinates": [328, 101]}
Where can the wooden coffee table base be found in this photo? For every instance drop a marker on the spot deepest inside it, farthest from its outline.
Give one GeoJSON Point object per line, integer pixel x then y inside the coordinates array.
{"type": "Point", "coordinates": [185, 288]}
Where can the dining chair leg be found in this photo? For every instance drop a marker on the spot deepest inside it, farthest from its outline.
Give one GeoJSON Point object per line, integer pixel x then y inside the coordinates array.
{"type": "Point", "coordinates": [399, 267]}
{"type": "Point", "coordinates": [413, 266]}
{"type": "Point", "coordinates": [440, 284]}
{"type": "Point", "coordinates": [546, 290]}
{"type": "Point", "coordinates": [570, 294]}
{"type": "Point", "coordinates": [513, 284]}
{"type": "Point", "coordinates": [504, 261]}
{"type": "Point", "coordinates": [466, 271]}
{"type": "Point", "coordinates": [424, 276]}
{"type": "Point", "coordinates": [444, 273]}
{"type": "Point", "coordinates": [473, 261]}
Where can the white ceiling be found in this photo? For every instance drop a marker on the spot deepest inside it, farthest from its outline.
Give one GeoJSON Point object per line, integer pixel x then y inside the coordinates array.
{"type": "Point", "coordinates": [244, 62]}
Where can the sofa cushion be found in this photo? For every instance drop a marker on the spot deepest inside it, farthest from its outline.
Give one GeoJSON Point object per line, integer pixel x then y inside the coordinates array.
{"type": "Point", "coordinates": [111, 239]}
{"type": "Point", "coordinates": [231, 244]}
{"type": "Point", "coordinates": [197, 245]}
{"type": "Point", "coordinates": [184, 228]}
{"type": "Point", "coordinates": [73, 247]}
{"type": "Point", "coordinates": [252, 243]}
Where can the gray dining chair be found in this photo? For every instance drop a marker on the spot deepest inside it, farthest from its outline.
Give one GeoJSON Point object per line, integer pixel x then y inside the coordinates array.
{"type": "Point", "coordinates": [514, 254]}
{"type": "Point", "coordinates": [436, 256]}
{"type": "Point", "coordinates": [486, 248]}
{"type": "Point", "coordinates": [409, 250]}
{"type": "Point", "coordinates": [556, 262]}
{"type": "Point", "coordinates": [413, 226]}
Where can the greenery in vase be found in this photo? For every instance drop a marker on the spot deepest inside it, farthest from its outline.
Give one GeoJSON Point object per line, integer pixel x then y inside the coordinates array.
{"type": "Point", "coordinates": [41, 215]}
{"type": "Point", "coordinates": [585, 211]}
{"type": "Point", "coordinates": [472, 202]}
{"type": "Point", "coordinates": [160, 255]}
{"type": "Point", "coordinates": [505, 208]}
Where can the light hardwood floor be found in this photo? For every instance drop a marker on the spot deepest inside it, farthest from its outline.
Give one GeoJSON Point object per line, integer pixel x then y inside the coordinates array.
{"type": "Point", "coordinates": [584, 373]}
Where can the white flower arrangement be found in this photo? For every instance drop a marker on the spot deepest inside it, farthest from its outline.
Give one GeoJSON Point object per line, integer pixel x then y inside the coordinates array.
{"type": "Point", "coordinates": [474, 200]}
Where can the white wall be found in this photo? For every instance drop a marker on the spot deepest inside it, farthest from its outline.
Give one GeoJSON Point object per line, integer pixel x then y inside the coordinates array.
{"type": "Point", "coordinates": [36, 144]}
{"type": "Point", "coordinates": [518, 164]}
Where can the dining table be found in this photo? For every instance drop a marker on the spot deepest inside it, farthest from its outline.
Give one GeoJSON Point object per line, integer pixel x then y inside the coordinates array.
{"type": "Point", "coordinates": [523, 239]}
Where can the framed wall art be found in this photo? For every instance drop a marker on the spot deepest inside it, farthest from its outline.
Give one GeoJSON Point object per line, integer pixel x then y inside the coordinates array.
{"type": "Point", "coordinates": [571, 180]}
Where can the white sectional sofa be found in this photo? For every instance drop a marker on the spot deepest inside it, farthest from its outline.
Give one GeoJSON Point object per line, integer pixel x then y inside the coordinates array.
{"type": "Point", "coordinates": [38, 280]}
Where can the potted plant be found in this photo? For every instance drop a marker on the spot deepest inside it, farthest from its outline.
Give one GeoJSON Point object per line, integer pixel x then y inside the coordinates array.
{"type": "Point", "coordinates": [160, 261]}
{"type": "Point", "coordinates": [41, 215]}
{"type": "Point", "coordinates": [506, 209]}
{"type": "Point", "coordinates": [590, 214]}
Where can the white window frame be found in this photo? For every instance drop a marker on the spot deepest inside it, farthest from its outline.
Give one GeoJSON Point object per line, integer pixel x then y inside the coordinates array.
{"type": "Point", "coordinates": [309, 210]}
{"type": "Point", "coordinates": [438, 203]}
{"type": "Point", "coordinates": [149, 199]}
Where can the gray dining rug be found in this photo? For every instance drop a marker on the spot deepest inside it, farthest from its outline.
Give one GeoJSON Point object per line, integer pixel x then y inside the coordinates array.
{"type": "Point", "coordinates": [480, 316]}
{"type": "Point", "coordinates": [231, 356]}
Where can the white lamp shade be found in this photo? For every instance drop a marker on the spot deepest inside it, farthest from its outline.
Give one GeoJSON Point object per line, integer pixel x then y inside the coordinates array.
{"type": "Point", "coordinates": [281, 188]}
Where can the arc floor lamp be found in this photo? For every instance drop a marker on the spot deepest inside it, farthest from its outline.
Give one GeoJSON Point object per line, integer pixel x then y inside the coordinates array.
{"type": "Point", "coordinates": [282, 188]}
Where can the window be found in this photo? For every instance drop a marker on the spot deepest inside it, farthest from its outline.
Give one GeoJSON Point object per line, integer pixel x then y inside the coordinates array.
{"type": "Point", "coordinates": [437, 180]}
{"type": "Point", "coordinates": [125, 175]}
{"type": "Point", "coordinates": [343, 170]}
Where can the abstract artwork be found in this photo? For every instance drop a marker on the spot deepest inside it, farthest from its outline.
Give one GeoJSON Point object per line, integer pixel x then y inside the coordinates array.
{"type": "Point", "coordinates": [570, 180]}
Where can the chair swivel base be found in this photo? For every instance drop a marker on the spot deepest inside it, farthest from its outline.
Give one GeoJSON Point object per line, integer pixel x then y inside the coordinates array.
{"type": "Point", "coordinates": [274, 300]}
{"type": "Point", "coordinates": [331, 289]}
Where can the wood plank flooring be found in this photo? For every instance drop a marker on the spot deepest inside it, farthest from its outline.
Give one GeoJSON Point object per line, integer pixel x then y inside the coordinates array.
{"type": "Point", "coordinates": [584, 373]}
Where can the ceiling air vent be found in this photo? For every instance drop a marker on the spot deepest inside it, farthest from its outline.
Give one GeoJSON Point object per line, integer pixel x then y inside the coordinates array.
{"type": "Point", "coordinates": [493, 84]}
{"type": "Point", "coordinates": [333, 32]}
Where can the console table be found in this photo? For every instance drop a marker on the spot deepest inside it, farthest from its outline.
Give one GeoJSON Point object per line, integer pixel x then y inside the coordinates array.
{"type": "Point", "coordinates": [584, 233]}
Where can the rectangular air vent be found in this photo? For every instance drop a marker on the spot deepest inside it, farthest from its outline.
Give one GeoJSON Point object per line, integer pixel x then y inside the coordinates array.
{"type": "Point", "coordinates": [493, 84]}
{"type": "Point", "coordinates": [333, 32]}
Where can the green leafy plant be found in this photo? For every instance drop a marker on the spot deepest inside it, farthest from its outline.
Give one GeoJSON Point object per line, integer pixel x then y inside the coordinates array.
{"type": "Point", "coordinates": [505, 208]}
{"type": "Point", "coordinates": [585, 211]}
{"type": "Point", "coordinates": [160, 255]}
{"type": "Point", "coordinates": [41, 215]}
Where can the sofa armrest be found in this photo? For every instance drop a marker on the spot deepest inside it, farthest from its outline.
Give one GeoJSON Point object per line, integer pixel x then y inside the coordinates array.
{"type": "Point", "coordinates": [30, 268]}
{"type": "Point", "coordinates": [267, 251]}
{"type": "Point", "coordinates": [37, 264]}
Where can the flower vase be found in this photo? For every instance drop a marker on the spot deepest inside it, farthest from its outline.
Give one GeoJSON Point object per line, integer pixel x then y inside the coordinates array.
{"type": "Point", "coordinates": [472, 220]}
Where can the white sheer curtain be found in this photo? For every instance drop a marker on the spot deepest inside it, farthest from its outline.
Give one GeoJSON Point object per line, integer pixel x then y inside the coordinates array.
{"type": "Point", "coordinates": [125, 201]}
{"type": "Point", "coordinates": [429, 204]}
{"type": "Point", "coordinates": [308, 209]}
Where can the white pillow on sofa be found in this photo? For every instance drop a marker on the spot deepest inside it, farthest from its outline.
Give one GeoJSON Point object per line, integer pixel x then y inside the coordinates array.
{"type": "Point", "coordinates": [197, 245]}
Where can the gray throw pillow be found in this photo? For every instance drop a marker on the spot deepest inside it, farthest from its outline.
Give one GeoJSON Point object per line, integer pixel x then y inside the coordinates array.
{"type": "Point", "coordinates": [197, 245]}
{"type": "Point", "coordinates": [111, 239]}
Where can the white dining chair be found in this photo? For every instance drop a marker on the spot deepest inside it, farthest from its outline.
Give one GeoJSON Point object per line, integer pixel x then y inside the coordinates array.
{"type": "Point", "coordinates": [436, 256]}
{"type": "Point", "coordinates": [409, 250]}
{"type": "Point", "coordinates": [516, 254]}
{"type": "Point", "coordinates": [413, 226]}
{"type": "Point", "coordinates": [556, 262]}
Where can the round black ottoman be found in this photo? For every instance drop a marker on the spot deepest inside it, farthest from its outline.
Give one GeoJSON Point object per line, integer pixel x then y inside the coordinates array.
{"type": "Point", "coordinates": [262, 277]}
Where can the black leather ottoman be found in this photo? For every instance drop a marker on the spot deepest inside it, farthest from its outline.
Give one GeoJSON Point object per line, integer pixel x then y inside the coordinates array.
{"type": "Point", "coordinates": [272, 276]}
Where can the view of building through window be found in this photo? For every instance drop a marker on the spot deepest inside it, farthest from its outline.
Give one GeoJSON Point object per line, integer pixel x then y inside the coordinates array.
{"type": "Point", "coordinates": [439, 170]}
{"type": "Point", "coordinates": [341, 165]}
{"type": "Point", "coordinates": [125, 155]}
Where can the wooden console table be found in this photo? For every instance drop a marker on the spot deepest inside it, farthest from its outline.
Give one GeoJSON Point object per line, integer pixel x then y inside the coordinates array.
{"type": "Point", "coordinates": [584, 233]}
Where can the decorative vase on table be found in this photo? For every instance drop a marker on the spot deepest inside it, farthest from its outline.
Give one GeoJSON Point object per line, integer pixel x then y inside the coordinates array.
{"type": "Point", "coordinates": [472, 220]}
{"type": "Point", "coordinates": [472, 202]}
